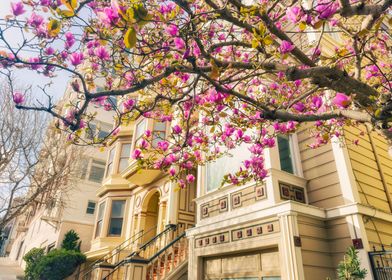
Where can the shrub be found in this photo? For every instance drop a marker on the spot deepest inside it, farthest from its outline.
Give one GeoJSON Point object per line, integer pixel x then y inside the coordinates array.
{"type": "Point", "coordinates": [350, 267]}
{"type": "Point", "coordinates": [58, 264]}
{"type": "Point", "coordinates": [32, 258]}
{"type": "Point", "coordinates": [71, 241]}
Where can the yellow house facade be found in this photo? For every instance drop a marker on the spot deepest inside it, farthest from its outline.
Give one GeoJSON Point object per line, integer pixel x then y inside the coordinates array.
{"type": "Point", "coordinates": [297, 224]}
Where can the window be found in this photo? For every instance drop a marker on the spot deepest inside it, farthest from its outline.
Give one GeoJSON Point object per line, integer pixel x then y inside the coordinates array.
{"type": "Point", "coordinates": [159, 133]}
{"type": "Point", "coordinates": [90, 207]}
{"type": "Point", "coordinates": [96, 171]}
{"type": "Point", "coordinates": [91, 131]}
{"type": "Point", "coordinates": [116, 217]}
{"type": "Point", "coordinates": [99, 219]}
{"type": "Point", "coordinates": [226, 164]}
{"type": "Point", "coordinates": [109, 168]}
{"type": "Point", "coordinates": [104, 131]}
{"type": "Point", "coordinates": [140, 128]}
{"type": "Point", "coordinates": [285, 156]}
{"type": "Point", "coordinates": [124, 156]}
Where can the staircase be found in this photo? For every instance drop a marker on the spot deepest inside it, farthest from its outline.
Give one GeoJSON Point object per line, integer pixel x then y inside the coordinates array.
{"type": "Point", "coordinates": [165, 255]}
{"type": "Point", "coordinates": [115, 256]}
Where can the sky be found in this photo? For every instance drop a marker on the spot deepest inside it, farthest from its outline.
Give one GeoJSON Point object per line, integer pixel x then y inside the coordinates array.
{"type": "Point", "coordinates": [26, 78]}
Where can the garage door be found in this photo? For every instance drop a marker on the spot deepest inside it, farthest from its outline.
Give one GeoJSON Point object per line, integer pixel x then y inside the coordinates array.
{"type": "Point", "coordinates": [253, 266]}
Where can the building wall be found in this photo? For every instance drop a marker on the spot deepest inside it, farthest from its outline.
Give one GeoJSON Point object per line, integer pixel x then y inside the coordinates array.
{"type": "Point", "coordinates": [372, 167]}
{"type": "Point", "coordinates": [319, 168]}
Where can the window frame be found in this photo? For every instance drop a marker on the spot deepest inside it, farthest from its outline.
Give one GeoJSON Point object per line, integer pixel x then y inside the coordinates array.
{"type": "Point", "coordinates": [100, 219]}
{"type": "Point", "coordinates": [111, 218]}
{"type": "Point", "coordinates": [88, 207]}
{"type": "Point", "coordinates": [110, 161]}
{"type": "Point", "coordinates": [136, 138]}
{"type": "Point", "coordinates": [91, 167]}
{"type": "Point", "coordinates": [294, 154]}
{"type": "Point", "coordinates": [126, 157]}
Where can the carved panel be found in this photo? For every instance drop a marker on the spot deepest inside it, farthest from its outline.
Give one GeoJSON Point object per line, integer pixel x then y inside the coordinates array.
{"type": "Point", "coordinates": [248, 196]}
{"type": "Point", "coordinates": [210, 240]}
{"type": "Point", "coordinates": [290, 192]}
{"type": "Point", "coordinates": [254, 231]}
{"type": "Point", "coordinates": [214, 207]}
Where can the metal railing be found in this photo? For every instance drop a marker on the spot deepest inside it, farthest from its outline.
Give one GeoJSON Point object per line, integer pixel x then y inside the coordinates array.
{"type": "Point", "coordinates": [147, 250]}
{"type": "Point", "coordinates": [381, 262]}
{"type": "Point", "coordinates": [86, 273]}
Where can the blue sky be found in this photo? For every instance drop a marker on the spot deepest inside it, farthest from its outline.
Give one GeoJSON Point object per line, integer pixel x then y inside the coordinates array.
{"type": "Point", "coordinates": [25, 78]}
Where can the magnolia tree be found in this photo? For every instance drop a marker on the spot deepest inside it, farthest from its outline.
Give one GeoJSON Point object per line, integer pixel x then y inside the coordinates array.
{"type": "Point", "coordinates": [222, 72]}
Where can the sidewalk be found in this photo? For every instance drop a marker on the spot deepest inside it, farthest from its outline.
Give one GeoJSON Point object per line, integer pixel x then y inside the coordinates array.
{"type": "Point", "coordinates": [9, 270]}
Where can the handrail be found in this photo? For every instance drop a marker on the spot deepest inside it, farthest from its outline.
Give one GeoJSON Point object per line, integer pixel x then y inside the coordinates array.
{"type": "Point", "coordinates": [168, 228]}
{"type": "Point", "coordinates": [167, 246]}
{"type": "Point", "coordinates": [114, 251]}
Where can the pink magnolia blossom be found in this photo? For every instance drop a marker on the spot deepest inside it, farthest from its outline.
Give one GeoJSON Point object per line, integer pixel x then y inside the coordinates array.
{"type": "Point", "coordinates": [341, 100]}
{"type": "Point", "coordinates": [76, 58]}
{"type": "Point", "coordinates": [190, 178]}
{"type": "Point", "coordinates": [17, 8]}
{"type": "Point", "coordinates": [128, 104]}
{"type": "Point", "coordinates": [326, 8]}
{"type": "Point", "coordinates": [172, 171]}
{"type": "Point", "coordinates": [294, 14]}
{"type": "Point", "coordinates": [177, 129]}
{"type": "Point", "coordinates": [163, 145]}
{"type": "Point", "coordinates": [286, 47]}
{"type": "Point", "coordinates": [18, 98]}
{"type": "Point", "coordinates": [172, 30]}
{"type": "Point", "coordinates": [35, 20]}
{"type": "Point", "coordinates": [371, 71]}
{"type": "Point", "coordinates": [179, 43]}
{"type": "Point", "coordinates": [299, 106]}
{"type": "Point", "coordinates": [49, 51]}
{"type": "Point", "coordinates": [102, 53]}
{"type": "Point", "coordinates": [69, 40]}
{"type": "Point", "coordinates": [136, 154]}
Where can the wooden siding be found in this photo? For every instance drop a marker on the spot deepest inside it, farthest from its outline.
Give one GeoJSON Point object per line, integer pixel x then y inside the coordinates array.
{"type": "Point", "coordinates": [372, 168]}
{"type": "Point", "coordinates": [319, 169]}
{"type": "Point", "coordinates": [383, 234]}
{"type": "Point", "coordinates": [323, 245]}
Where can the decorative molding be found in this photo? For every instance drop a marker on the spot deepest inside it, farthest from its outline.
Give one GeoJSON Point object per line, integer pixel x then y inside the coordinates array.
{"type": "Point", "coordinates": [290, 192]}
{"type": "Point", "coordinates": [219, 238]}
{"type": "Point", "coordinates": [254, 231]}
{"type": "Point", "coordinates": [214, 207]}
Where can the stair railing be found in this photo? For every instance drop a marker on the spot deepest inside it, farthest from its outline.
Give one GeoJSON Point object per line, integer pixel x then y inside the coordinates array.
{"type": "Point", "coordinates": [170, 257]}
{"type": "Point", "coordinates": [148, 249]}
{"type": "Point", "coordinates": [113, 253]}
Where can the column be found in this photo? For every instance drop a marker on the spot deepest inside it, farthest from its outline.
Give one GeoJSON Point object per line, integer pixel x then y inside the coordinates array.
{"type": "Point", "coordinates": [172, 207]}
{"type": "Point", "coordinates": [161, 216]}
{"type": "Point", "coordinates": [357, 230]}
{"type": "Point", "coordinates": [291, 256]}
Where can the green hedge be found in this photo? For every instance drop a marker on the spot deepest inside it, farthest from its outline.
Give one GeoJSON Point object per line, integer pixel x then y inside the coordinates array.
{"type": "Point", "coordinates": [56, 265]}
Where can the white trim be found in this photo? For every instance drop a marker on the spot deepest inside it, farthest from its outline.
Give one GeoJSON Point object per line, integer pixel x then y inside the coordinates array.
{"type": "Point", "coordinates": [348, 184]}
{"type": "Point", "coordinates": [296, 156]}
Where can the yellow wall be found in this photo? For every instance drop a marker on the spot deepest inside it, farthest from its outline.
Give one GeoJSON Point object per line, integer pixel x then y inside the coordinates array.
{"type": "Point", "coordinates": [323, 245]}
{"type": "Point", "coordinates": [372, 167]}
{"type": "Point", "coordinates": [383, 234]}
{"type": "Point", "coordinates": [319, 169]}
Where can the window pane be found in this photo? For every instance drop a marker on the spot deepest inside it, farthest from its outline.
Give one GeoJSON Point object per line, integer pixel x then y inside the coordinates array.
{"type": "Point", "coordinates": [161, 126]}
{"type": "Point", "coordinates": [118, 208]}
{"type": "Point", "coordinates": [217, 169]}
{"type": "Point", "coordinates": [83, 168]}
{"type": "Point", "coordinates": [96, 173]}
{"type": "Point", "coordinates": [103, 134]}
{"type": "Point", "coordinates": [99, 228]}
{"type": "Point", "coordinates": [286, 163]}
{"type": "Point", "coordinates": [116, 217]}
{"type": "Point", "coordinates": [126, 150]}
{"type": "Point", "coordinates": [158, 137]}
{"type": "Point", "coordinates": [123, 164]}
{"type": "Point", "coordinates": [91, 131]}
{"type": "Point", "coordinates": [90, 207]}
{"type": "Point", "coordinates": [115, 226]}
{"type": "Point", "coordinates": [140, 128]}
{"type": "Point", "coordinates": [100, 211]}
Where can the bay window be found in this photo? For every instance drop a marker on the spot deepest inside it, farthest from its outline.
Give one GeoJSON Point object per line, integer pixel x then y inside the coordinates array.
{"type": "Point", "coordinates": [139, 131]}
{"type": "Point", "coordinates": [159, 133]}
{"type": "Point", "coordinates": [109, 167]}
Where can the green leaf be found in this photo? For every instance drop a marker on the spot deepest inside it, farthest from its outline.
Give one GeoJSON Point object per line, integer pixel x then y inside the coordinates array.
{"type": "Point", "coordinates": [130, 38]}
